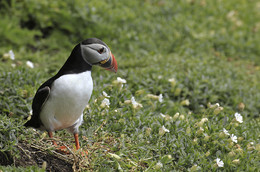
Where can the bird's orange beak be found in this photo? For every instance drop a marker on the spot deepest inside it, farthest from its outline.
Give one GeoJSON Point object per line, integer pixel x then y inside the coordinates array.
{"type": "Point", "coordinates": [110, 63]}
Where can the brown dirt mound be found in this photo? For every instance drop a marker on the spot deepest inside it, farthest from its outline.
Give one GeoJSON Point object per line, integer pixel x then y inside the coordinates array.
{"type": "Point", "coordinates": [47, 158]}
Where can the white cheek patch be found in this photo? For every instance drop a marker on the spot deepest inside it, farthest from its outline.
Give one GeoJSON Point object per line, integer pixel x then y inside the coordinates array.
{"type": "Point", "coordinates": [91, 55]}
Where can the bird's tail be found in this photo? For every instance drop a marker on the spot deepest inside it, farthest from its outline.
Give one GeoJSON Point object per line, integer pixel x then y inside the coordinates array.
{"type": "Point", "coordinates": [33, 123]}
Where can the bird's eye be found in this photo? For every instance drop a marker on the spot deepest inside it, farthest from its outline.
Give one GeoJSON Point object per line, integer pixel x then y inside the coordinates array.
{"type": "Point", "coordinates": [101, 50]}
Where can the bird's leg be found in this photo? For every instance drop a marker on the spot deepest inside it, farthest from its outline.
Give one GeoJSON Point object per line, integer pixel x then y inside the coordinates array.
{"type": "Point", "coordinates": [76, 136]}
{"type": "Point", "coordinates": [61, 148]}
{"type": "Point", "coordinates": [51, 136]}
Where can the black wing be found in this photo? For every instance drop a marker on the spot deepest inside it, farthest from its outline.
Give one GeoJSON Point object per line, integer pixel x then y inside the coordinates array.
{"type": "Point", "coordinates": [39, 100]}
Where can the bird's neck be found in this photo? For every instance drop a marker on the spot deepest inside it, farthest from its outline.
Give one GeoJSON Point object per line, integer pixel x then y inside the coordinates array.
{"type": "Point", "coordinates": [75, 63]}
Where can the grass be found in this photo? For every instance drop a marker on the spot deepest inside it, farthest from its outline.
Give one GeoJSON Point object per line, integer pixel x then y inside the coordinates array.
{"type": "Point", "coordinates": [209, 50]}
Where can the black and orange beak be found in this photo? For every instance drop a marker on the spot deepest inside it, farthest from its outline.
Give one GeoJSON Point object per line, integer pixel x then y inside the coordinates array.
{"type": "Point", "coordinates": [110, 63]}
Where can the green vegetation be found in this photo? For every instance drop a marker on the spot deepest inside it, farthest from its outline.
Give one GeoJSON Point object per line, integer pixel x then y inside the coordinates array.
{"type": "Point", "coordinates": [194, 53]}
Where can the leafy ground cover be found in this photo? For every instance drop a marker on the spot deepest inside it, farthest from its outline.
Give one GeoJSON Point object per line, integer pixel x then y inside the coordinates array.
{"type": "Point", "coordinates": [186, 69]}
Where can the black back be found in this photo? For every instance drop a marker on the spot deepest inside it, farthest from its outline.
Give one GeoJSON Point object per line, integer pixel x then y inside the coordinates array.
{"type": "Point", "coordinates": [93, 41]}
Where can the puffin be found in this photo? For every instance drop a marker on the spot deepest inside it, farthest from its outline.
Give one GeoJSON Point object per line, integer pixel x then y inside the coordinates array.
{"type": "Point", "coordinates": [59, 102]}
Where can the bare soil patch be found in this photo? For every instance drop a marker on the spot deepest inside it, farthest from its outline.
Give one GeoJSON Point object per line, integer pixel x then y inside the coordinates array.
{"type": "Point", "coordinates": [49, 159]}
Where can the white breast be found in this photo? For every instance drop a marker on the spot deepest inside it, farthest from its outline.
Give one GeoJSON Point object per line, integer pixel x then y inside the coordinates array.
{"type": "Point", "coordinates": [68, 97]}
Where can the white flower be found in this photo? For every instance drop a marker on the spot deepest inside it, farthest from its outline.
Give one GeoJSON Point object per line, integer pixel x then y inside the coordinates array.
{"type": "Point", "coordinates": [105, 103]}
{"type": "Point", "coordinates": [160, 98]}
{"type": "Point", "coordinates": [155, 97]}
{"type": "Point", "coordinates": [233, 138]}
{"type": "Point", "coordinates": [158, 166]}
{"type": "Point", "coordinates": [166, 117]}
{"type": "Point", "coordinates": [219, 163]}
{"type": "Point", "coordinates": [218, 110]}
{"type": "Point", "coordinates": [236, 161]}
{"type": "Point", "coordinates": [204, 120]}
{"type": "Point", "coordinates": [213, 106]}
{"type": "Point", "coordinates": [182, 117]}
{"type": "Point", "coordinates": [87, 106]}
{"type": "Point", "coordinates": [226, 131]}
{"type": "Point", "coordinates": [185, 102]}
{"type": "Point", "coordinates": [120, 80]}
{"type": "Point", "coordinates": [30, 64]}
{"type": "Point", "coordinates": [195, 167]}
{"type": "Point", "coordinates": [176, 116]}
{"type": "Point", "coordinates": [135, 103]}
{"type": "Point", "coordinates": [105, 94]}
{"type": "Point", "coordinates": [171, 80]}
{"type": "Point", "coordinates": [162, 115]}
{"type": "Point", "coordinates": [231, 14]}
{"type": "Point", "coordinates": [11, 54]}
{"type": "Point", "coordinates": [239, 117]}
{"type": "Point", "coordinates": [200, 131]}
{"type": "Point", "coordinates": [165, 129]}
